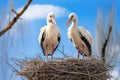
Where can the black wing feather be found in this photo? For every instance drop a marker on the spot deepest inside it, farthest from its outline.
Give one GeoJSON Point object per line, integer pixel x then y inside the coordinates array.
{"type": "Point", "coordinates": [86, 42]}
{"type": "Point", "coordinates": [71, 40]}
{"type": "Point", "coordinates": [42, 40]}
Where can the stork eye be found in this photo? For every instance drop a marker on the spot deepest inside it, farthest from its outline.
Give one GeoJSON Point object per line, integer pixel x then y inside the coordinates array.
{"type": "Point", "coordinates": [71, 16]}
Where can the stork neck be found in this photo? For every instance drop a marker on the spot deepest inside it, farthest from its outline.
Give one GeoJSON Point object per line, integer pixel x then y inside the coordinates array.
{"type": "Point", "coordinates": [51, 24]}
{"type": "Point", "coordinates": [74, 23]}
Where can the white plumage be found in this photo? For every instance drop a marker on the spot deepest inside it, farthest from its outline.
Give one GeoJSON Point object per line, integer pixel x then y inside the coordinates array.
{"type": "Point", "coordinates": [80, 37]}
{"type": "Point", "coordinates": [49, 36]}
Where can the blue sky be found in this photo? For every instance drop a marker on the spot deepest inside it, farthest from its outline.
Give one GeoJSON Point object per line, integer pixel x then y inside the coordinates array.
{"type": "Point", "coordinates": [35, 18]}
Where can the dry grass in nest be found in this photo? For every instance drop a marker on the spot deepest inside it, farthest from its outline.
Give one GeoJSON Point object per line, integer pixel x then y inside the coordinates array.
{"type": "Point", "coordinates": [65, 69]}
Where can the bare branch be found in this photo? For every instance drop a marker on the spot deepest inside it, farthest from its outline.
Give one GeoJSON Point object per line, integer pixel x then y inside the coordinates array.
{"type": "Point", "coordinates": [105, 44]}
{"type": "Point", "coordinates": [14, 69]}
{"type": "Point", "coordinates": [14, 11]}
{"type": "Point", "coordinates": [63, 53]}
{"type": "Point", "coordinates": [110, 28]}
{"type": "Point", "coordinates": [14, 20]}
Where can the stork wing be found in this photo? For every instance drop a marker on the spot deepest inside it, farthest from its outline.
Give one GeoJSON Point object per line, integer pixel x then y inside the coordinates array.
{"type": "Point", "coordinates": [86, 34]}
{"type": "Point", "coordinates": [59, 38]}
{"type": "Point", "coordinates": [41, 37]}
{"type": "Point", "coordinates": [42, 34]}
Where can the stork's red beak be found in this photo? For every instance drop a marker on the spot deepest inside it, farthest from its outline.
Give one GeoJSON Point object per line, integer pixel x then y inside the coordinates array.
{"type": "Point", "coordinates": [69, 20]}
{"type": "Point", "coordinates": [53, 19]}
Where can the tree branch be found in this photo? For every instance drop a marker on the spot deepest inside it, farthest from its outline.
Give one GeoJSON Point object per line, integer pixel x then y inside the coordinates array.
{"type": "Point", "coordinates": [14, 11]}
{"type": "Point", "coordinates": [105, 44]}
{"type": "Point", "coordinates": [14, 20]}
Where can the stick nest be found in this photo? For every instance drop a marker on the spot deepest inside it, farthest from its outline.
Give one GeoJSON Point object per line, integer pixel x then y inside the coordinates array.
{"type": "Point", "coordinates": [65, 69]}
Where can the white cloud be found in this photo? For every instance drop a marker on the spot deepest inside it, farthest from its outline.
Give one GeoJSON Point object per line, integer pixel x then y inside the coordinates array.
{"type": "Point", "coordinates": [38, 11]}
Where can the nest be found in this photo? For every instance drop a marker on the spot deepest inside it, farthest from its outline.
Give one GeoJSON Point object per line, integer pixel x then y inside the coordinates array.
{"type": "Point", "coordinates": [65, 69]}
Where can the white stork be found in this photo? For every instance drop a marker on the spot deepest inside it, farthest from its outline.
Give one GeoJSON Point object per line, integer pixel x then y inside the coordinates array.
{"type": "Point", "coordinates": [49, 37]}
{"type": "Point", "coordinates": [80, 37]}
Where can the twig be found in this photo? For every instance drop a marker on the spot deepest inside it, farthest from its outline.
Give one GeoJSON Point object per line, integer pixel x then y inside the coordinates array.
{"type": "Point", "coordinates": [98, 74]}
{"type": "Point", "coordinates": [14, 62]}
{"type": "Point", "coordinates": [11, 76]}
{"type": "Point", "coordinates": [14, 20]}
{"type": "Point", "coordinates": [77, 73]}
{"type": "Point", "coordinates": [88, 72]}
{"type": "Point", "coordinates": [63, 48]}
{"type": "Point", "coordinates": [14, 11]}
{"type": "Point", "coordinates": [11, 66]}
{"type": "Point", "coordinates": [63, 53]}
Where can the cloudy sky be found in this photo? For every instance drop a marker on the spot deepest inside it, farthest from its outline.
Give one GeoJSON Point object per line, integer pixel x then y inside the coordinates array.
{"type": "Point", "coordinates": [35, 17]}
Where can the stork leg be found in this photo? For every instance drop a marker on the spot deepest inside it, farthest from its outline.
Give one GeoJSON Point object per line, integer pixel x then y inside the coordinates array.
{"type": "Point", "coordinates": [83, 52]}
{"type": "Point", "coordinates": [52, 57]}
{"type": "Point", "coordinates": [78, 54]}
{"type": "Point", "coordinates": [46, 57]}
{"type": "Point", "coordinates": [83, 56]}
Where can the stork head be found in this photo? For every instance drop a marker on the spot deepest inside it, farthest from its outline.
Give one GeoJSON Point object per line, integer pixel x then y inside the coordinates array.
{"type": "Point", "coordinates": [51, 18]}
{"type": "Point", "coordinates": [72, 18]}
